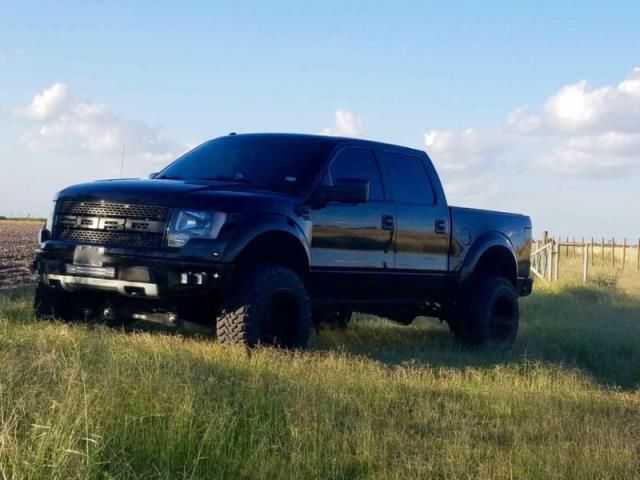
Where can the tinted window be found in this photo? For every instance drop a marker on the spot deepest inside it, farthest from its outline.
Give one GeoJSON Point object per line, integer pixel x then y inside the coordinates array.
{"type": "Point", "coordinates": [409, 179]}
{"type": "Point", "coordinates": [278, 161]}
{"type": "Point", "coordinates": [358, 163]}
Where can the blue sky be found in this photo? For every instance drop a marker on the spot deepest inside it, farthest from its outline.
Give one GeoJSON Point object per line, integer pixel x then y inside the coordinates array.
{"type": "Point", "coordinates": [161, 78]}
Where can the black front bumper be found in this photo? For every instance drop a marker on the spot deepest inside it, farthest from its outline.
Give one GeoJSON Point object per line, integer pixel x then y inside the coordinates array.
{"type": "Point", "coordinates": [139, 273]}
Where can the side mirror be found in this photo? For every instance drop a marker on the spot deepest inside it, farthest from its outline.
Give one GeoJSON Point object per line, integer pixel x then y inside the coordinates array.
{"type": "Point", "coordinates": [346, 190]}
{"type": "Point", "coordinates": [152, 175]}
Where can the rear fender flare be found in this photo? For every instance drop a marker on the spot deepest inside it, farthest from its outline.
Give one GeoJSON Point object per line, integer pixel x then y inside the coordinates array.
{"type": "Point", "coordinates": [481, 245]}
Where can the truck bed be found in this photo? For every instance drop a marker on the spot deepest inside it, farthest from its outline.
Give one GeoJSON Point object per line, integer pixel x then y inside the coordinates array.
{"type": "Point", "coordinates": [470, 223]}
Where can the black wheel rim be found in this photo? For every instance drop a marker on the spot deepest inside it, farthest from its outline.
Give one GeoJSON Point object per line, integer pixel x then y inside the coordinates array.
{"type": "Point", "coordinates": [503, 318]}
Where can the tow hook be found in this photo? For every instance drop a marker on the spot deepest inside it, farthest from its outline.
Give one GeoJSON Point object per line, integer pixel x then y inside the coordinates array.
{"type": "Point", "coordinates": [107, 314]}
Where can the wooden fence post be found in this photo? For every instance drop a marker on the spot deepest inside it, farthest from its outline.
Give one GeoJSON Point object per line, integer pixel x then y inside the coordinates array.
{"type": "Point", "coordinates": [585, 265]}
{"type": "Point", "coordinates": [588, 247]}
{"type": "Point", "coordinates": [553, 259]}
{"type": "Point", "coordinates": [613, 252]}
{"type": "Point", "coordinates": [557, 276]}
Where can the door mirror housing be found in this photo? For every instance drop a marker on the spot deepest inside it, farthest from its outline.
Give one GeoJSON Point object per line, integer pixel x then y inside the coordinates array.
{"type": "Point", "coordinates": [346, 190]}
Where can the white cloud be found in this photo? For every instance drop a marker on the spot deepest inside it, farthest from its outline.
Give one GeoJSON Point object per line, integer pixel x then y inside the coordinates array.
{"type": "Point", "coordinates": [600, 156]}
{"type": "Point", "coordinates": [601, 128]}
{"type": "Point", "coordinates": [466, 189]}
{"type": "Point", "coordinates": [46, 104]}
{"type": "Point", "coordinates": [58, 122]}
{"type": "Point", "coordinates": [631, 85]}
{"type": "Point", "coordinates": [587, 131]}
{"type": "Point", "coordinates": [577, 109]}
{"type": "Point", "coordinates": [462, 158]}
{"type": "Point", "coordinates": [466, 150]}
{"type": "Point", "coordinates": [347, 124]}
{"type": "Point", "coordinates": [520, 121]}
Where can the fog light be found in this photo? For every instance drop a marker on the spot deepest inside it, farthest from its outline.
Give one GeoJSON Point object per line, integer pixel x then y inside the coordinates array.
{"type": "Point", "coordinates": [193, 278]}
{"type": "Point", "coordinates": [135, 274]}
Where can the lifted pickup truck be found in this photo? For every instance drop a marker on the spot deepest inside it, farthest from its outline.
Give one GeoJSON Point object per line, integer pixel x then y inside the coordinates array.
{"type": "Point", "coordinates": [258, 236]}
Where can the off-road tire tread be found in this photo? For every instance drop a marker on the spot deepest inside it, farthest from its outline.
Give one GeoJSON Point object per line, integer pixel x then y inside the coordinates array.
{"type": "Point", "coordinates": [50, 304]}
{"type": "Point", "coordinates": [471, 324]}
{"type": "Point", "coordinates": [238, 322]}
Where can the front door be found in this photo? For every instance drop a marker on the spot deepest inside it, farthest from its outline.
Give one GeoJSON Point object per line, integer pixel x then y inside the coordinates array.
{"type": "Point", "coordinates": [352, 245]}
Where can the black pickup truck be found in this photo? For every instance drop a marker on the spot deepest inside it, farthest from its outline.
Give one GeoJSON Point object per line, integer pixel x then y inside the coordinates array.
{"type": "Point", "coordinates": [259, 236]}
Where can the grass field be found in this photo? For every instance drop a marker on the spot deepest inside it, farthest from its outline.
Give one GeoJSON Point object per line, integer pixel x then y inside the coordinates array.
{"type": "Point", "coordinates": [378, 401]}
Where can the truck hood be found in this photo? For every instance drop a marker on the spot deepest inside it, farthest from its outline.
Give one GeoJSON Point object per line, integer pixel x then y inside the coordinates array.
{"type": "Point", "coordinates": [173, 193]}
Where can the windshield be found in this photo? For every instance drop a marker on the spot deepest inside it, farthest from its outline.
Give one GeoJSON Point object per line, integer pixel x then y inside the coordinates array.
{"type": "Point", "coordinates": [280, 162]}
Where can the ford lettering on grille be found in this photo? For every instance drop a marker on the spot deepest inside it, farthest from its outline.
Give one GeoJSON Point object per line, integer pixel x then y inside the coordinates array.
{"type": "Point", "coordinates": [114, 224]}
{"type": "Point", "coordinates": [118, 224]}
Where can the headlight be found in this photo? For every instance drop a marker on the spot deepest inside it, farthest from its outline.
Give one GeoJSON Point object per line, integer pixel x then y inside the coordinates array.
{"type": "Point", "coordinates": [49, 223]}
{"type": "Point", "coordinates": [187, 224]}
{"type": "Point", "coordinates": [45, 232]}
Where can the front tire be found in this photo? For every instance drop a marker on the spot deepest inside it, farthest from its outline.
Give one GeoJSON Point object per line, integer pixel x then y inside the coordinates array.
{"type": "Point", "coordinates": [268, 306]}
{"type": "Point", "coordinates": [488, 314]}
{"type": "Point", "coordinates": [51, 303]}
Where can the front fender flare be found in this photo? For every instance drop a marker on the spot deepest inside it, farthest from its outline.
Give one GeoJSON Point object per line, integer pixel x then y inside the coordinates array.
{"type": "Point", "coordinates": [271, 223]}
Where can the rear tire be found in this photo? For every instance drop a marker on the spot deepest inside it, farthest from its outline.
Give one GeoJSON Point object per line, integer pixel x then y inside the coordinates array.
{"type": "Point", "coordinates": [338, 319]}
{"type": "Point", "coordinates": [488, 314]}
{"type": "Point", "coordinates": [268, 306]}
{"type": "Point", "coordinates": [51, 303]}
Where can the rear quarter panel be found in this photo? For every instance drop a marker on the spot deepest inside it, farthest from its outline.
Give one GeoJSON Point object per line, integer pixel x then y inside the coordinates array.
{"type": "Point", "coordinates": [469, 225]}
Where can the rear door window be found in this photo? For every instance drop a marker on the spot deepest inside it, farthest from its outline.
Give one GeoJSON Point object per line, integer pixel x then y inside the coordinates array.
{"type": "Point", "coordinates": [409, 178]}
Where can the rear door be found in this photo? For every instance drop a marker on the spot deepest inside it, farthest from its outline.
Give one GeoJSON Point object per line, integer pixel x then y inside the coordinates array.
{"type": "Point", "coordinates": [422, 223]}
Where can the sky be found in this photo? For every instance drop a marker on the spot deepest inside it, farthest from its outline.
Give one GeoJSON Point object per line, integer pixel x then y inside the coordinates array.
{"type": "Point", "coordinates": [532, 107]}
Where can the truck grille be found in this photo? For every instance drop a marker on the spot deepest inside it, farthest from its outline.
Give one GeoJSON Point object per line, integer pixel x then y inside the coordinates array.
{"type": "Point", "coordinates": [117, 210]}
{"type": "Point", "coordinates": [113, 224]}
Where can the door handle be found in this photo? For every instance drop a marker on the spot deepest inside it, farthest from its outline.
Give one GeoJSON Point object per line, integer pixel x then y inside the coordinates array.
{"type": "Point", "coordinates": [440, 227]}
{"type": "Point", "coordinates": [387, 222]}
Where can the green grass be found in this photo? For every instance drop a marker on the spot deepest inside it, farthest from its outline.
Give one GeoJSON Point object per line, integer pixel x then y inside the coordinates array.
{"type": "Point", "coordinates": [378, 401]}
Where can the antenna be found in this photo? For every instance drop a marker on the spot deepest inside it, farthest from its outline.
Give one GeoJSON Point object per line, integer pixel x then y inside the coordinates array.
{"type": "Point", "coordinates": [122, 160]}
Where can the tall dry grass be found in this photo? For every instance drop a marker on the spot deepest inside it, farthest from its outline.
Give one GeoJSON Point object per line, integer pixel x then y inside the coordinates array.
{"type": "Point", "coordinates": [378, 401]}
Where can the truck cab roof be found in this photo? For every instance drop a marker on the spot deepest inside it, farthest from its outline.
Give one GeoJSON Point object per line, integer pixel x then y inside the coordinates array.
{"type": "Point", "coordinates": [335, 140]}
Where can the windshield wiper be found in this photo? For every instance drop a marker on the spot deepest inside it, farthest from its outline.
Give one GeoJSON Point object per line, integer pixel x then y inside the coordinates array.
{"type": "Point", "coordinates": [170, 177]}
{"type": "Point", "coordinates": [223, 178]}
